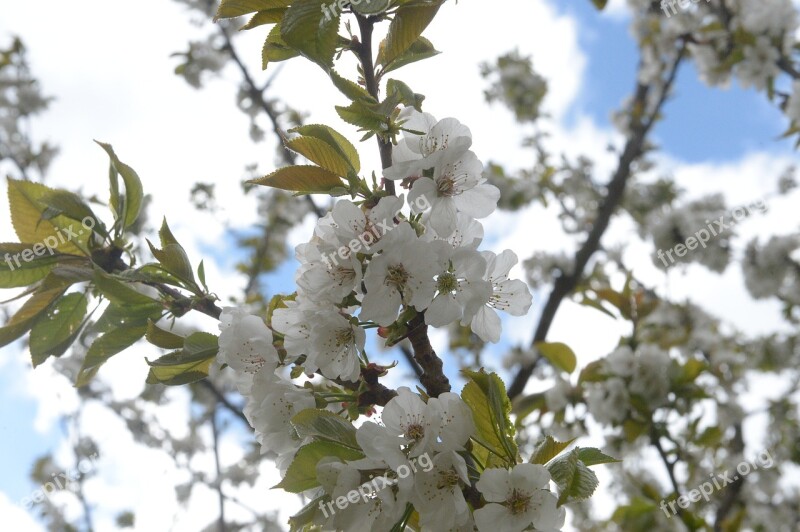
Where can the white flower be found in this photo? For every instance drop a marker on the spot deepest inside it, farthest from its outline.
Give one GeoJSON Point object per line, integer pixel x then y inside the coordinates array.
{"type": "Point", "coordinates": [442, 424]}
{"type": "Point", "coordinates": [609, 401]}
{"type": "Point", "coordinates": [457, 186]}
{"type": "Point", "coordinates": [415, 153]}
{"type": "Point", "coordinates": [335, 346]}
{"type": "Point", "coordinates": [380, 509]}
{"type": "Point", "coordinates": [516, 500]}
{"type": "Point", "coordinates": [402, 274]}
{"type": "Point", "coordinates": [273, 403]}
{"type": "Point", "coordinates": [324, 273]}
{"type": "Point", "coordinates": [359, 232]}
{"type": "Point", "coordinates": [468, 232]}
{"type": "Point", "coordinates": [437, 494]}
{"type": "Point", "coordinates": [409, 416]}
{"type": "Point", "coordinates": [245, 342]}
{"type": "Point", "coordinates": [511, 296]}
{"type": "Point", "coordinates": [460, 285]}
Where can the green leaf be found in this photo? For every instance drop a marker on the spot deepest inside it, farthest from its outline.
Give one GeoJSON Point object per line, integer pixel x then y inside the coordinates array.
{"type": "Point", "coordinates": [310, 179]}
{"type": "Point", "coordinates": [27, 210]}
{"type": "Point", "coordinates": [275, 48]}
{"type": "Point", "coordinates": [173, 257]}
{"type": "Point", "coordinates": [15, 271]}
{"type": "Point", "coordinates": [161, 338]}
{"type": "Point", "coordinates": [548, 449]}
{"type": "Point", "coordinates": [421, 49]}
{"type": "Point", "coordinates": [352, 90]}
{"type": "Point", "coordinates": [575, 481]}
{"type": "Point", "coordinates": [51, 288]}
{"type": "Point", "coordinates": [201, 344]}
{"type": "Point", "coordinates": [309, 30]}
{"type": "Point", "coordinates": [370, 7]}
{"type": "Point", "coordinates": [407, 26]}
{"type": "Point", "coordinates": [593, 372]}
{"type": "Point", "coordinates": [486, 396]}
{"type": "Point", "coordinates": [592, 456]}
{"type": "Point", "coordinates": [72, 206]}
{"type": "Point", "coordinates": [180, 367]}
{"type": "Point", "coordinates": [267, 16]}
{"type": "Point", "coordinates": [302, 473]}
{"type": "Point", "coordinates": [56, 331]}
{"type": "Point", "coordinates": [402, 93]}
{"type": "Point", "coordinates": [116, 291]}
{"type": "Point", "coordinates": [325, 425]}
{"type": "Point", "coordinates": [237, 8]}
{"type": "Point", "coordinates": [134, 194]}
{"type": "Point", "coordinates": [361, 115]}
{"type": "Point", "coordinates": [525, 406]}
{"type": "Point", "coordinates": [335, 140]}
{"type": "Point", "coordinates": [105, 347]}
{"type": "Point", "coordinates": [559, 355]}
{"type": "Point", "coordinates": [305, 516]}
{"type": "Point", "coordinates": [321, 153]}
{"type": "Point", "coordinates": [600, 4]}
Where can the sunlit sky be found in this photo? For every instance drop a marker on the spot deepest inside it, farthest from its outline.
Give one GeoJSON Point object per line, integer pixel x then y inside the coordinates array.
{"type": "Point", "coordinates": [108, 65]}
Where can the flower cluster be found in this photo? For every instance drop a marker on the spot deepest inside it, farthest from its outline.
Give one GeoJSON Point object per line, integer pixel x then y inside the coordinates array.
{"type": "Point", "coordinates": [643, 374]}
{"type": "Point", "coordinates": [373, 263]}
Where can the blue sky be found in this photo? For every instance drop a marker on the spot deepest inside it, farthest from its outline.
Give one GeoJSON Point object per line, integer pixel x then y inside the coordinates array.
{"type": "Point", "coordinates": [702, 125]}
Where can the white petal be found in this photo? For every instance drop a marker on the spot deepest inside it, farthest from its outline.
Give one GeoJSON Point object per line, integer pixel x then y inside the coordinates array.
{"type": "Point", "coordinates": [486, 324]}
{"type": "Point", "coordinates": [495, 484]}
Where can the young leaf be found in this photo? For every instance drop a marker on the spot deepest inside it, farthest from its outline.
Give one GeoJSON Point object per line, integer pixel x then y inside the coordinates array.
{"type": "Point", "coordinates": [33, 309]}
{"type": "Point", "coordinates": [58, 232]}
{"type": "Point", "coordinates": [321, 153]}
{"type": "Point", "coordinates": [180, 367]}
{"type": "Point", "coordinates": [134, 194]}
{"type": "Point", "coordinates": [161, 338]}
{"type": "Point", "coordinates": [72, 206]}
{"type": "Point", "coordinates": [592, 456]}
{"type": "Point", "coordinates": [408, 24]}
{"type": "Point", "coordinates": [15, 271]}
{"type": "Point", "coordinates": [370, 7]}
{"type": "Point", "coordinates": [575, 481]}
{"type": "Point", "coordinates": [325, 425]}
{"type": "Point", "coordinates": [302, 473]}
{"type": "Point", "coordinates": [237, 8]}
{"type": "Point", "coordinates": [312, 32]}
{"type": "Point", "coordinates": [421, 49]}
{"type": "Point", "coordinates": [560, 355]}
{"type": "Point", "coordinates": [548, 449]}
{"type": "Point", "coordinates": [309, 179]}
{"type": "Point", "coordinates": [267, 16]}
{"type": "Point", "coordinates": [352, 90]}
{"type": "Point", "coordinates": [104, 348]}
{"type": "Point", "coordinates": [486, 396]}
{"type": "Point", "coordinates": [56, 331]}
{"type": "Point", "coordinates": [275, 48]}
{"type": "Point", "coordinates": [335, 140]}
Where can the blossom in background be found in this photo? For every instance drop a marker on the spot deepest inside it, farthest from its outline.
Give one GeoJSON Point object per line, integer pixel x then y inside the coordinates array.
{"type": "Point", "coordinates": [517, 499]}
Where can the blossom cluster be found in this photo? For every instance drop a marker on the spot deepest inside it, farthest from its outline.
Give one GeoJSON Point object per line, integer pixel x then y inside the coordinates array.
{"type": "Point", "coordinates": [391, 262]}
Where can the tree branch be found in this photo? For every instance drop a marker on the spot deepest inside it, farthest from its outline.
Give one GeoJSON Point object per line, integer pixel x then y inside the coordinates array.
{"type": "Point", "coordinates": [433, 377]}
{"type": "Point", "coordinates": [566, 283]}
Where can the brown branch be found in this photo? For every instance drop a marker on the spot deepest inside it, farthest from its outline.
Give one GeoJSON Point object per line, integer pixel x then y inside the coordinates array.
{"type": "Point", "coordinates": [566, 283]}
{"type": "Point", "coordinates": [433, 378]}
{"type": "Point", "coordinates": [733, 490]}
{"type": "Point", "coordinates": [655, 439]}
{"type": "Point", "coordinates": [364, 50]}
{"type": "Point", "coordinates": [221, 399]}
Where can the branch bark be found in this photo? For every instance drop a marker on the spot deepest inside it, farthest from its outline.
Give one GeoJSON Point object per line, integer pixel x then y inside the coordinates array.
{"type": "Point", "coordinates": [566, 283]}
